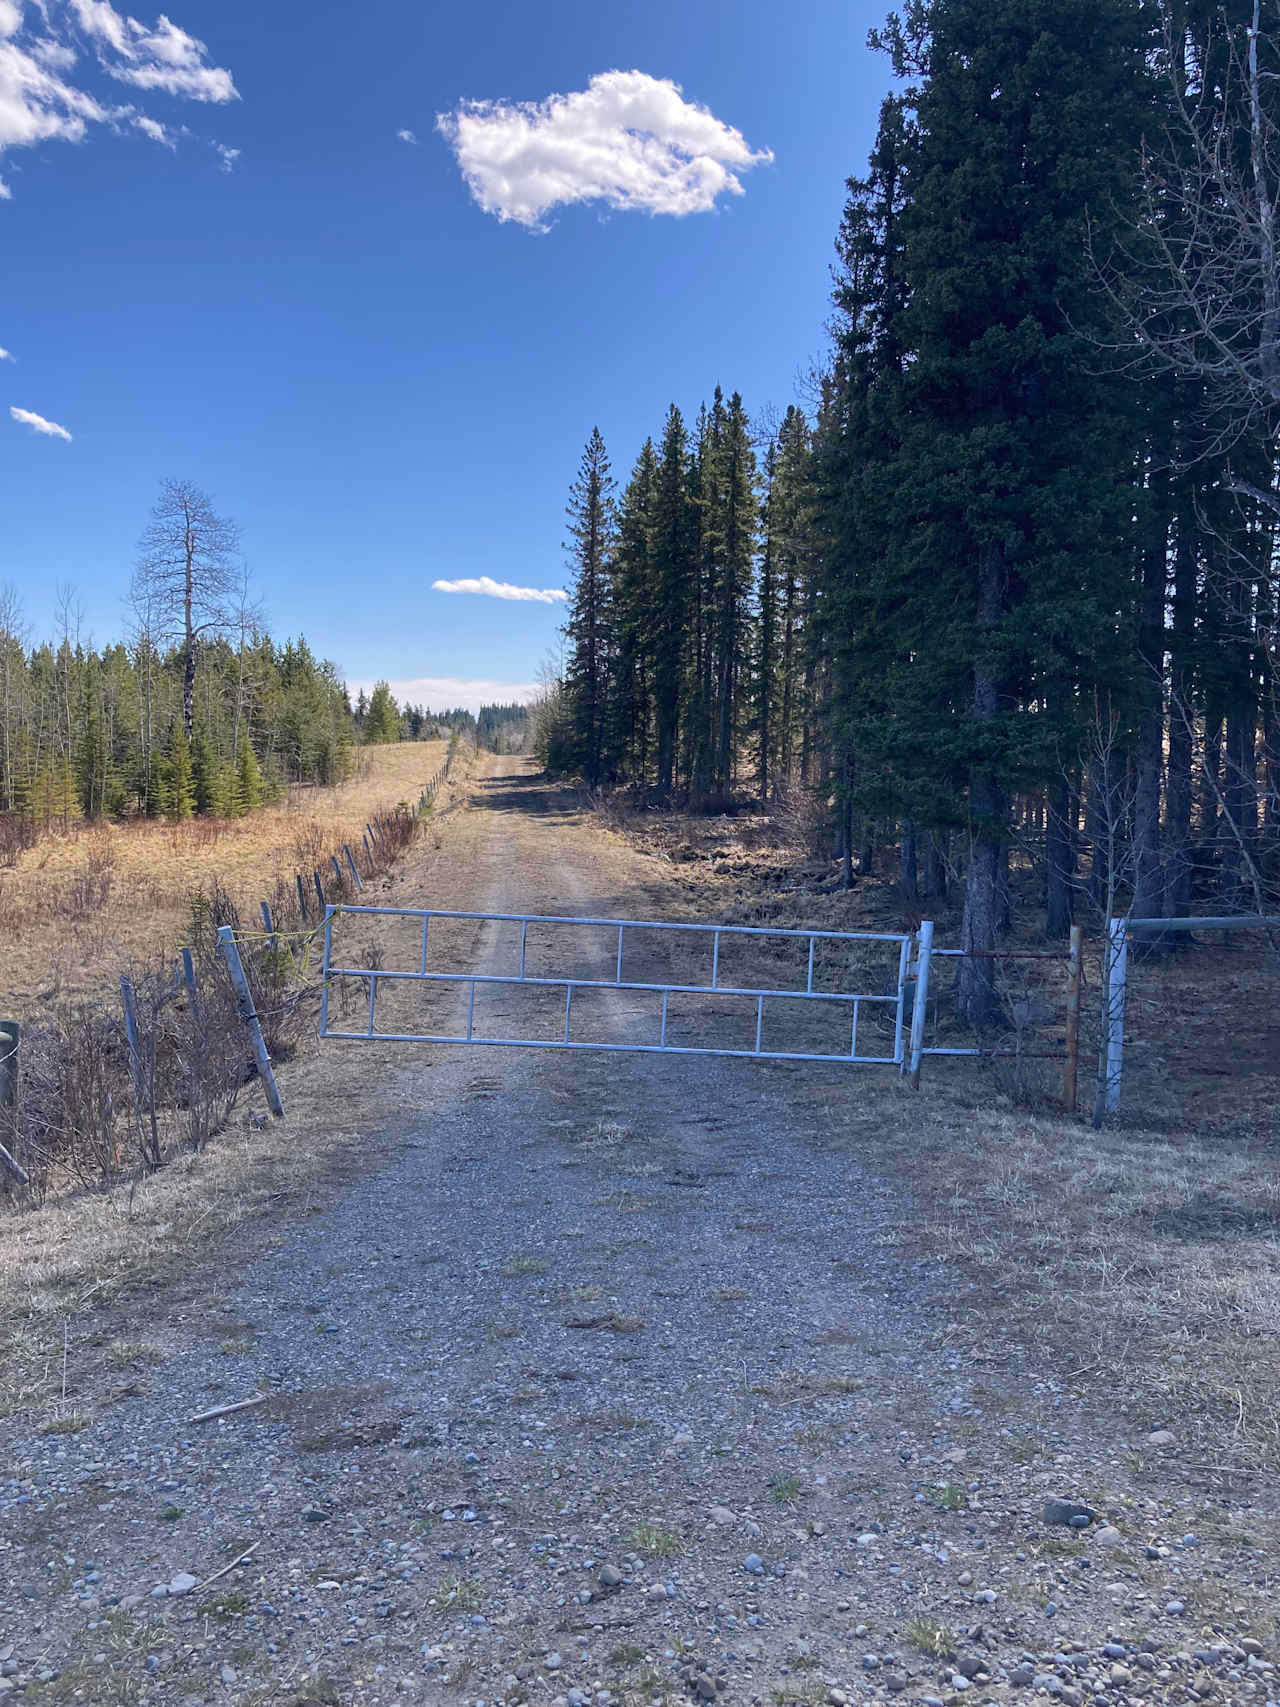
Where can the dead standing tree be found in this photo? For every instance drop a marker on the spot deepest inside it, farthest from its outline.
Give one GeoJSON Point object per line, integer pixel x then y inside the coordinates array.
{"type": "Point", "coordinates": [188, 578]}
{"type": "Point", "coordinates": [1197, 283]}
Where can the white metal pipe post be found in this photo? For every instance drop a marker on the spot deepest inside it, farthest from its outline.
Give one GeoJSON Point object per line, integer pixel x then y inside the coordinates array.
{"type": "Point", "coordinates": [1118, 954]}
{"type": "Point", "coordinates": [924, 954]}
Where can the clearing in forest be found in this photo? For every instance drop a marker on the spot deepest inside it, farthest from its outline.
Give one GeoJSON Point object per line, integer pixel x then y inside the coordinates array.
{"type": "Point", "coordinates": [81, 906]}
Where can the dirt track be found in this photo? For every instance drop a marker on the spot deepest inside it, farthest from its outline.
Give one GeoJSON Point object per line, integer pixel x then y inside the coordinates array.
{"type": "Point", "coordinates": [584, 1314]}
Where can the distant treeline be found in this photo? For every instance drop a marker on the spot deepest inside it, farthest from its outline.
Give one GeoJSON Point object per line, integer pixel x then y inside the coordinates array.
{"type": "Point", "coordinates": [497, 728]}
{"type": "Point", "coordinates": [88, 732]}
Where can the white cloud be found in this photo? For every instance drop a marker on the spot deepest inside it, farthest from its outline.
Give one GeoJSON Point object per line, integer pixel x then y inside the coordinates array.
{"type": "Point", "coordinates": [152, 128]}
{"type": "Point", "coordinates": [226, 156]}
{"type": "Point", "coordinates": [38, 424]}
{"type": "Point", "coordinates": [443, 693]}
{"type": "Point", "coordinates": [44, 97]}
{"type": "Point", "coordinates": [405, 136]}
{"type": "Point", "coordinates": [164, 58]}
{"type": "Point", "coordinates": [6, 356]}
{"type": "Point", "coordinates": [490, 589]}
{"type": "Point", "coordinates": [629, 140]}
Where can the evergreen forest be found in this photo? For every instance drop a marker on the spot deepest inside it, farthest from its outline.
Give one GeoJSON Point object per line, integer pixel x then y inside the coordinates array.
{"type": "Point", "coordinates": [1005, 586]}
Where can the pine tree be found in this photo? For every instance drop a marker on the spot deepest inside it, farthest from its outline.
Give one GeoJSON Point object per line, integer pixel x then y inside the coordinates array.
{"type": "Point", "coordinates": [734, 523]}
{"type": "Point", "coordinates": [589, 630]}
{"type": "Point", "coordinates": [633, 612]}
{"type": "Point", "coordinates": [673, 569]}
{"type": "Point", "coordinates": [203, 771]}
{"type": "Point", "coordinates": [180, 801]}
{"type": "Point", "coordinates": [382, 719]}
{"type": "Point", "coordinates": [1012, 483]}
{"type": "Point", "coordinates": [250, 789]}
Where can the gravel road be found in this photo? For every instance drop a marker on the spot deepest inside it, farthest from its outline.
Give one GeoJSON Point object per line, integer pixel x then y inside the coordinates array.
{"type": "Point", "coordinates": [607, 1381]}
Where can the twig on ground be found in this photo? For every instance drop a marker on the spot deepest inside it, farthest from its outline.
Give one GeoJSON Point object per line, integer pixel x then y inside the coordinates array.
{"type": "Point", "coordinates": [228, 1410]}
{"type": "Point", "coordinates": [248, 1552]}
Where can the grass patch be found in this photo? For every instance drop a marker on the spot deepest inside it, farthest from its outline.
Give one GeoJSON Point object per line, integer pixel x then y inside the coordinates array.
{"type": "Point", "coordinates": [514, 1267]}
{"type": "Point", "coordinates": [125, 1353]}
{"type": "Point", "coordinates": [786, 1489]}
{"type": "Point", "coordinates": [69, 1422]}
{"type": "Point", "coordinates": [657, 1540]}
{"type": "Point", "coordinates": [951, 1497]}
{"type": "Point", "coordinates": [931, 1638]}
{"type": "Point", "coordinates": [230, 1605]}
{"type": "Point", "coordinates": [459, 1594]}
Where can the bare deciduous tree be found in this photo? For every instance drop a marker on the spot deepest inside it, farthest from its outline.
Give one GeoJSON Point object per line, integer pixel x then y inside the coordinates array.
{"type": "Point", "coordinates": [1198, 282]}
{"type": "Point", "coordinates": [188, 579]}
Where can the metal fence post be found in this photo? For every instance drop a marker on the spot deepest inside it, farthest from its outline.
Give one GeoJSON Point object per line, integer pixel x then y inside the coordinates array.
{"type": "Point", "coordinates": [326, 956]}
{"type": "Point", "coordinates": [924, 953]}
{"type": "Point", "coordinates": [1119, 944]}
{"type": "Point", "coordinates": [1115, 964]}
{"type": "Point", "coordinates": [248, 1013]}
{"type": "Point", "coordinates": [1071, 1071]}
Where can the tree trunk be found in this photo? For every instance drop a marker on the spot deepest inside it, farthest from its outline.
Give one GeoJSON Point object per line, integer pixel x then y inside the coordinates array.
{"type": "Point", "coordinates": [1059, 860]}
{"type": "Point", "coordinates": [1148, 879]}
{"type": "Point", "coordinates": [976, 1001]}
{"type": "Point", "coordinates": [933, 874]}
{"type": "Point", "coordinates": [908, 862]}
{"type": "Point", "coordinates": [1177, 828]}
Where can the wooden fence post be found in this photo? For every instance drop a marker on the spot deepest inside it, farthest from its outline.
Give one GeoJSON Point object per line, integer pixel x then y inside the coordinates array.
{"type": "Point", "coordinates": [249, 1014]}
{"type": "Point", "coordinates": [131, 1032]}
{"type": "Point", "coordinates": [1071, 1072]}
{"type": "Point", "coordinates": [302, 899]}
{"type": "Point", "coordinates": [189, 979]}
{"type": "Point", "coordinates": [10, 1043]}
{"type": "Point", "coordinates": [319, 890]}
{"type": "Point", "coordinates": [346, 848]}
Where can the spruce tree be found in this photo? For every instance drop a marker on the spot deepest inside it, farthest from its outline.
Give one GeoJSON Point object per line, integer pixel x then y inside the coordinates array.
{"type": "Point", "coordinates": [1012, 485]}
{"type": "Point", "coordinates": [633, 615]}
{"type": "Point", "coordinates": [382, 718]}
{"type": "Point", "coordinates": [180, 803]}
{"type": "Point", "coordinates": [589, 630]}
{"type": "Point", "coordinates": [250, 788]}
{"type": "Point", "coordinates": [203, 771]}
{"type": "Point", "coordinates": [674, 568]}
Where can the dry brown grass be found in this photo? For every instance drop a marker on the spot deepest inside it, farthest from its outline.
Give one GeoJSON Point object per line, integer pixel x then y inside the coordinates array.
{"type": "Point", "coordinates": [1141, 1262]}
{"type": "Point", "coordinates": [85, 1256]}
{"type": "Point", "coordinates": [81, 906]}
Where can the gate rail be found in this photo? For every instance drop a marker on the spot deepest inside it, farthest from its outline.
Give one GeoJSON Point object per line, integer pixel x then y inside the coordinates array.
{"type": "Point", "coordinates": [897, 1002]}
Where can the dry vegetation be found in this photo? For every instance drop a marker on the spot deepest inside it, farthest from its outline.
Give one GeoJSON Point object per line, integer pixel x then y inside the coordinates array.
{"type": "Point", "coordinates": [1141, 1262]}
{"type": "Point", "coordinates": [77, 908]}
{"type": "Point", "coordinates": [1145, 1257]}
{"type": "Point", "coordinates": [86, 1251]}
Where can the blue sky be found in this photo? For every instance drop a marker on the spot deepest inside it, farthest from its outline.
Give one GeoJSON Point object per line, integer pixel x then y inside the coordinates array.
{"type": "Point", "coordinates": [219, 261]}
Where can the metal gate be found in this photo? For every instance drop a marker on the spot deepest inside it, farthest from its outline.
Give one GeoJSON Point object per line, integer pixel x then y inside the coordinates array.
{"type": "Point", "coordinates": [628, 985]}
